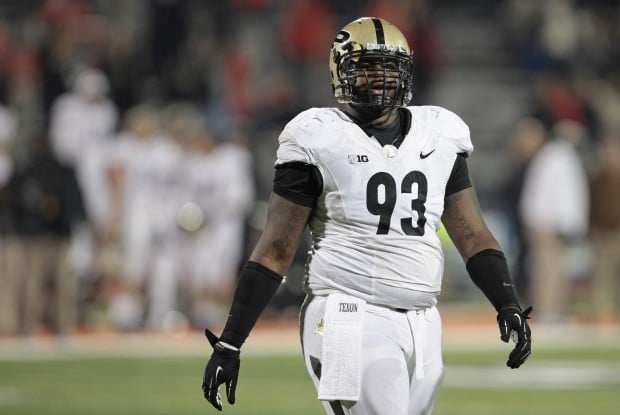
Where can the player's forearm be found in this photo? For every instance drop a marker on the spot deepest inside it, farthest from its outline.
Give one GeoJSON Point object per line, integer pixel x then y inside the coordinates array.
{"type": "Point", "coordinates": [257, 286]}
{"type": "Point", "coordinates": [489, 271]}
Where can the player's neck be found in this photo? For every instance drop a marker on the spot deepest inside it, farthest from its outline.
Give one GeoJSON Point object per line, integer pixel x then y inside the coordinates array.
{"type": "Point", "coordinates": [369, 118]}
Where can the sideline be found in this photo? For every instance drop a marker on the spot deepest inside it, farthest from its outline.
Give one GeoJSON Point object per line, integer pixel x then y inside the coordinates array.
{"type": "Point", "coordinates": [282, 338]}
{"type": "Point", "coordinates": [550, 375]}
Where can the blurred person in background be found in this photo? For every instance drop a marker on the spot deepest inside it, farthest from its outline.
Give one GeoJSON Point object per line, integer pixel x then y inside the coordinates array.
{"type": "Point", "coordinates": [8, 275]}
{"type": "Point", "coordinates": [527, 139]}
{"type": "Point", "coordinates": [143, 168]}
{"type": "Point", "coordinates": [82, 125]}
{"type": "Point", "coordinates": [197, 277]}
{"type": "Point", "coordinates": [554, 209]}
{"type": "Point", "coordinates": [46, 208]}
{"type": "Point", "coordinates": [217, 199]}
{"type": "Point", "coordinates": [83, 122]}
{"type": "Point", "coordinates": [604, 302]}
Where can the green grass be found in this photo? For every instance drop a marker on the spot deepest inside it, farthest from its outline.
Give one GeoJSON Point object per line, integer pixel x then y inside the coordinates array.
{"type": "Point", "coordinates": [277, 386]}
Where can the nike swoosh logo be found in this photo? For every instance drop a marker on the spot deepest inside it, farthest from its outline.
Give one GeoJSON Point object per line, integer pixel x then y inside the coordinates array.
{"type": "Point", "coordinates": [217, 373]}
{"type": "Point", "coordinates": [423, 156]}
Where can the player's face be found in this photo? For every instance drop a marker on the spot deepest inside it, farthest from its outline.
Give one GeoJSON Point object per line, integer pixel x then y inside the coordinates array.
{"type": "Point", "coordinates": [377, 77]}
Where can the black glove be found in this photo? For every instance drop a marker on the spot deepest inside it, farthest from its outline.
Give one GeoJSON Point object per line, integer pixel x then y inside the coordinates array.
{"type": "Point", "coordinates": [513, 325]}
{"type": "Point", "coordinates": [223, 367]}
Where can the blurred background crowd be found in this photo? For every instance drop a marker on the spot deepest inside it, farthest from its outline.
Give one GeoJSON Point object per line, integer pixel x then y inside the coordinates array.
{"type": "Point", "coordinates": [137, 141]}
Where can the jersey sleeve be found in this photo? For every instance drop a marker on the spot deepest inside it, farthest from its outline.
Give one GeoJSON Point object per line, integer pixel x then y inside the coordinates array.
{"type": "Point", "coordinates": [298, 182]}
{"type": "Point", "coordinates": [297, 177]}
{"type": "Point", "coordinates": [459, 177]}
{"type": "Point", "coordinates": [452, 128]}
{"type": "Point", "coordinates": [289, 147]}
{"type": "Point", "coordinates": [289, 150]}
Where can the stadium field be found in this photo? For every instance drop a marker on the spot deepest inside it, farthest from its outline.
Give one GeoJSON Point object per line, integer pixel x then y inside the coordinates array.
{"type": "Point", "coordinates": [139, 375]}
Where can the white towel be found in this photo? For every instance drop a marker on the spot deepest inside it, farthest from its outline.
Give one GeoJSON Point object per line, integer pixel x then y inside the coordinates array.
{"type": "Point", "coordinates": [342, 348]}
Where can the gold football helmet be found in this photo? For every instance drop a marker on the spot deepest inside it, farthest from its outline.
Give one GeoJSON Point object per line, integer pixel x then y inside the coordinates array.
{"type": "Point", "coordinates": [371, 64]}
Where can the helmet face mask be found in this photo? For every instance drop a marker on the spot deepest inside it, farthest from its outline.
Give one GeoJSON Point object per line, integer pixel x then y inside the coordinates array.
{"type": "Point", "coordinates": [371, 65]}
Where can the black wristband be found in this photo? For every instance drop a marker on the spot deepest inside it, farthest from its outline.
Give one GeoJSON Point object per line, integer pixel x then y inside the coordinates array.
{"type": "Point", "coordinates": [488, 269]}
{"type": "Point", "coordinates": [257, 285]}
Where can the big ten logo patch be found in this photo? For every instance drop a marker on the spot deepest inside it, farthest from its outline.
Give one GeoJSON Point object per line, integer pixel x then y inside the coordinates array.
{"type": "Point", "coordinates": [358, 158]}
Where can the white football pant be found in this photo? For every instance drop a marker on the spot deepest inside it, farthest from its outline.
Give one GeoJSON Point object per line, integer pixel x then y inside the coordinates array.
{"type": "Point", "coordinates": [390, 384]}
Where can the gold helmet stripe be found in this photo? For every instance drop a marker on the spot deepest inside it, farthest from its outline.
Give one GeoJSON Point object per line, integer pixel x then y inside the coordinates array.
{"type": "Point", "coordinates": [379, 31]}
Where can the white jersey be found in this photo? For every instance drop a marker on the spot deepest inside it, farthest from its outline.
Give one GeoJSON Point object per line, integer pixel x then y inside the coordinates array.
{"type": "Point", "coordinates": [151, 191]}
{"type": "Point", "coordinates": [213, 252]}
{"type": "Point", "coordinates": [81, 132]}
{"type": "Point", "coordinates": [374, 228]}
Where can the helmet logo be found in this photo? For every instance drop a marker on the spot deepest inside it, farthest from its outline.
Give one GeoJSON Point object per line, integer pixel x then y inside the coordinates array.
{"type": "Point", "coordinates": [342, 36]}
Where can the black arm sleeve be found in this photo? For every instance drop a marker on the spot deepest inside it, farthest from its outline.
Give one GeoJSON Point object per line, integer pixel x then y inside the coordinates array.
{"type": "Point", "coordinates": [489, 271]}
{"type": "Point", "coordinates": [257, 285]}
{"type": "Point", "coordinates": [459, 178]}
{"type": "Point", "coordinates": [298, 182]}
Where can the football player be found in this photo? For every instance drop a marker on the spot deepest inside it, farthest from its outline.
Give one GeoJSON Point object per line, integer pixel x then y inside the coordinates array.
{"type": "Point", "coordinates": [372, 179]}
